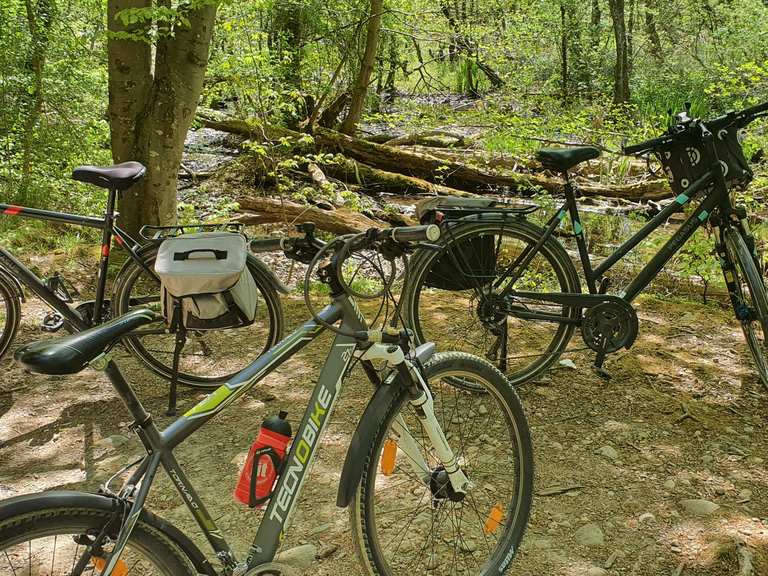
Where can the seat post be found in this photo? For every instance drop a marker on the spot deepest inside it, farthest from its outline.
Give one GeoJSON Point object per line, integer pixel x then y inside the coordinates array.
{"type": "Point", "coordinates": [106, 240]}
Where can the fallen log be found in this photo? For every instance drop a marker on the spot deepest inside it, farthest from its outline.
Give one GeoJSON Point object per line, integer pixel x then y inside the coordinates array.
{"type": "Point", "coordinates": [263, 210]}
{"type": "Point", "coordinates": [373, 178]}
{"type": "Point", "coordinates": [440, 171]}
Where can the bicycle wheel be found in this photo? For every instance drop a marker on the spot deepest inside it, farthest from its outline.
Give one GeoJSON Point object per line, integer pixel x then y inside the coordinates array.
{"type": "Point", "coordinates": [209, 357]}
{"type": "Point", "coordinates": [404, 523]}
{"type": "Point", "coordinates": [51, 541]}
{"type": "Point", "coordinates": [10, 312]}
{"type": "Point", "coordinates": [748, 290]}
{"type": "Point", "coordinates": [451, 296]}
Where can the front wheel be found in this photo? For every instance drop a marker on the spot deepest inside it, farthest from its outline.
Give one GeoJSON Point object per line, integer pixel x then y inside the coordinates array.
{"type": "Point", "coordinates": [75, 540]}
{"type": "Point", "coordinates": [209, 357]}
{"type": "Point", "coordinates": [747, 291]}
{"type": "Point", "coordinates": [10, 312]}
{"type": "Point", "coordinates": [406, 522]}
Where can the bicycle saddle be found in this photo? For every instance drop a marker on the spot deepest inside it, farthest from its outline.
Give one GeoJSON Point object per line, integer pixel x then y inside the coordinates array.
{"type": "Point", "coordinates": [71, 354]}
{"type": "Point", "coordinates": [561, 159]}
{"type": "Point", "coordinates": [117, 177]}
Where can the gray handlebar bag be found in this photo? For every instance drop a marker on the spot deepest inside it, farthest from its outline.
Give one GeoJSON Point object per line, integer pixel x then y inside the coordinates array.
{"type": "Point", "coordinates": [204, 277]}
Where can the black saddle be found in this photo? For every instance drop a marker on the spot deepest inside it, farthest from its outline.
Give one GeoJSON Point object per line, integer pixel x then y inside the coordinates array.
{"type": "Point", "coordinates": [117, 177]}
{"type": "Point", "coordinates": [71, 354]}
{"type": "Point", "coordinates": [562, 159]}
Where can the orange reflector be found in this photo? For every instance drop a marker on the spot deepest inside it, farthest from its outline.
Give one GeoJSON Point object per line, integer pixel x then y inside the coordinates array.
{"type": "Point", "coordinates": [493, 521]}
{"type": "Point", "coordinates": [388, 455]}
{"type": "Point", "coordinates": [121, 568]}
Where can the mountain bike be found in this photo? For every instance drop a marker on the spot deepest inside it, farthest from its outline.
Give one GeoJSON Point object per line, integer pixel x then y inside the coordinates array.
{"type": "Point", "coordinates": [209, 357]}
{"type": "Point", "coordinates": [436, 478]}
{"type": "Point", "coordinates": [501, 284]}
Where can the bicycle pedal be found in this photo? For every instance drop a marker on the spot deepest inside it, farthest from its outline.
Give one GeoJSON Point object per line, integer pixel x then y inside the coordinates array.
{"type": "Point", "coordinates": [52, 322]}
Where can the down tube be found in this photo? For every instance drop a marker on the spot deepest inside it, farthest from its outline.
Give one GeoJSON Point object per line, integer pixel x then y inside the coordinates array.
{"type": "Point", "coordinates": [302, 452]}
{"type": "Point", "coordinates": [649, 272]}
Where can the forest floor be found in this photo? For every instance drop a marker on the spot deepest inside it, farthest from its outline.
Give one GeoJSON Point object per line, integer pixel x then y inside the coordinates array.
{"type": "Point", "coordinates": [682, 419]}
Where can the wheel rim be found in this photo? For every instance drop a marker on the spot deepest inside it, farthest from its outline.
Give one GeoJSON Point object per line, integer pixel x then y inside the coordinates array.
{"type": "Point", "coordinates": [468, 320]}
{"type": "Point", "coordinates": [414, 526]}
{"type": "Point", "coordinates": [55, 552]}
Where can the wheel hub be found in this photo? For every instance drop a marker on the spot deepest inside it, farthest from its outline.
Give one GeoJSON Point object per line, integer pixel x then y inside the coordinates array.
{"type": "Point", "coordinates": [441, 488]}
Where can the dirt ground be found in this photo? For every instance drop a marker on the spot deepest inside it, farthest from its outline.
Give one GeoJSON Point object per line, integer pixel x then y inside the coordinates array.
{"type": "Point", "coordinates": [682, 418]}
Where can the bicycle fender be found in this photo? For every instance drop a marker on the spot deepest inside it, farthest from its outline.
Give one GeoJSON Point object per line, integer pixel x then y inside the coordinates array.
{"type": "Point", "coordinates": [266, 271]}
{"type": "Point", "coordinates": [28, 503]}
{"type": "Point", "coordinates": [13, 282]}
{"type": "Point", "coordinates": [368, 428]}
{"type": "Point", "coordinates": [365, 434]}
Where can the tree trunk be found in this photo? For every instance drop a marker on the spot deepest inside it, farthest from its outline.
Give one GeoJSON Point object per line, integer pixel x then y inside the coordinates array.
{"type": "Point", "coordinates": [564, 54]}
{"type": "Point", "coordinates": [39, 19]}
{"type": "Point", "coordinates": [151, 108]}
{"type": "Point", "coordinates": [651, 31]}
{"type": "Point", "coordinates": [621, 69]}
{"type": "Point", "coordinates": [360, 88]}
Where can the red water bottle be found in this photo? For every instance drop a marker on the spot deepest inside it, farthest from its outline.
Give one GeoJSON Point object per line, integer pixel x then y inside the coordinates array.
{"type": "Point", "coordinates": [254, 487]}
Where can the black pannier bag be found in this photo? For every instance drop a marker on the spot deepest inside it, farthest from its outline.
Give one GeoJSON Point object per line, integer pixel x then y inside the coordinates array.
{"type": "Point", "coordinates": [204, 280]}
{"type": "Point", "coordinates": [686, 160]}
{"type": "Point", "coordinates": [464, 265]}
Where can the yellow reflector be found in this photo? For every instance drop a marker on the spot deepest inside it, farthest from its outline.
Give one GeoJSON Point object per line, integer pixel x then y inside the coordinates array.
{"type": "Point", "coordinates": [388, 455]}
{"type": "Point", "coordinates": [121, 568]}
{"type": "Point", "coordinates": [493, 521]}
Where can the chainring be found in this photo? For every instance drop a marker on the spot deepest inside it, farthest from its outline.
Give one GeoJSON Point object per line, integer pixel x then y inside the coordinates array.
{"type": "Point", "coordinates": [609, 326]}
{"type": "Point", "coordinates": [273, 569]}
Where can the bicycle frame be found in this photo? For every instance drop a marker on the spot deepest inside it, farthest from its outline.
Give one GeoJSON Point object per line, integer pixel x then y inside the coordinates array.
{"type": "Point", "coordinates": [160, 444]}
{"type": "Point", "coordinates": [718, 198]}
{"type": "Point", "coordinates": [38, 286]}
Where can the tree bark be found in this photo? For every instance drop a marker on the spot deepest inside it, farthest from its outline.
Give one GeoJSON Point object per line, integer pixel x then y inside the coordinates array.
{"type": "Point", "coordinates": [40, 18]}
{"type": "Point", "coordinates": [152, 105]}
{"type": "Point", "coordinates": [651, 31]}
{"type": "Point", "coordinates": [621, 69]}
{"type": "Point", "coordinates": [360, 88]}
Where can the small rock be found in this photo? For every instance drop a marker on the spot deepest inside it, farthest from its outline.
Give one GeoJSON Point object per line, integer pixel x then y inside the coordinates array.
{"type": "Point", "coordinates": [611, 560]}
{"type": "Point", "coordinates": [432, 563]}
{"type": "Point", "coordinates": [540, 543]}
{"type": "Point", "coordinates": [719, 490]}
{"type": "Point", "coordinates": [567, 363]}
{"type": "Point", "coordinates": [729, 430]}
{"type": "Point", "coordinates": [698, 507]}
{"type": "Point", "coordinates": [646, 517]}
{"type": "Point", "coordinates": [467, 545]}
{"type": "Point", "coordinates": [707, 459]}
{"type": "Point", "coordinates": [589, 535]}
{"type": "Point", "coordinates": [745, 495]}
{"type": "Point", "coordinates": [320, 529]}
{"type": "Point", "coordinates": [116, 440]}
{"type": "Point", "coordinates": [609, 452]}
{"type": "Point", "coordinates": [326, 551]}
{"type": "Point", "coordinates": [597, 571]}
{"type": "Point", "coordinates": [482, 410]}
{"type": "Point", "coordinates": [557, 446]}
{"type": "Point", "coordinates": [669, 484]}
{"type": "Point", "coordinates": [301, 557]}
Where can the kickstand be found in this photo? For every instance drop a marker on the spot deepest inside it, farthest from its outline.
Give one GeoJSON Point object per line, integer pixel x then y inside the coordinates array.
{"type": "Point", "coordinates": [181, 339]}
{"type": "Point", "coordinates": [598, 366]}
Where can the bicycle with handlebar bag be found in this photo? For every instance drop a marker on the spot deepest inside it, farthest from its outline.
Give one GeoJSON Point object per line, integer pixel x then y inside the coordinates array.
{"type": "Point", "coordinates": [208, 358]}
{"type": "Point", "coordinates": [436, 477]}
{"type": "Point", "coordinates": [503, 285]}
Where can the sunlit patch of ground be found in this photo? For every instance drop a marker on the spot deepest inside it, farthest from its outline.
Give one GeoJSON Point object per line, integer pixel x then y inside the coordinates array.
{"type": "Point", "coordinates": [683, 414]}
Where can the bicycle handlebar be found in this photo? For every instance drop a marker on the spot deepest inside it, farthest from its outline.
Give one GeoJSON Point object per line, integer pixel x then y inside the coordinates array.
{"type": "Point", "coordinates": [744, 116]}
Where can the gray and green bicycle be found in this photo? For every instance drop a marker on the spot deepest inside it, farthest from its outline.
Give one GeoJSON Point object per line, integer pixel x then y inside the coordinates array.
{"type": "Point", "coordinates": [437, 479]}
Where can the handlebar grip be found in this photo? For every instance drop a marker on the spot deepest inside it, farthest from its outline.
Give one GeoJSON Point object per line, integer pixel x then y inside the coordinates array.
{"type": "Point", "coordinates": [647, 145]}
{"type": "Point", "coordinates": [269, 244]}
{"type": "Point", "coordinates": [428, 233]}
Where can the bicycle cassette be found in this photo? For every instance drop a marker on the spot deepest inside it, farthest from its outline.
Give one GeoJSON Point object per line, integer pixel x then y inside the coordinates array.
{"type": "Point", "coordinates": [609, 326]}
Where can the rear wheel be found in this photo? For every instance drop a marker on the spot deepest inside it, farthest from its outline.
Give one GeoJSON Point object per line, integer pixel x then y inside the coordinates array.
{"type": "Point", "coordinates": [747, 290]}
{"type": "Point", "coordinates": [209, 357]}
{"type": "Point", "coordinates": [10, 313]}
{"type": "Point", "coordinates": [452, 296]}
{"type": "Point", "coordinates": [53, 542]}
{"type": "Point", "coordinates": [405, 523]}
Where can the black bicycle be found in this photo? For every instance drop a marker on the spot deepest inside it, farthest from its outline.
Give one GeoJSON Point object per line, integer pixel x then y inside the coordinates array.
{"type": "Point", "coordinates": [500, 284]}
{"type": "Point", "coordinates": [438, 480]}
{"type": "Point", "coordinates": [208, 359]}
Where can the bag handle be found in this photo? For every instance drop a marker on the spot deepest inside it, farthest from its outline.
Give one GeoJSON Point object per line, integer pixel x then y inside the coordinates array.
{"type": "Point", "coordinates": [218, 254]}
